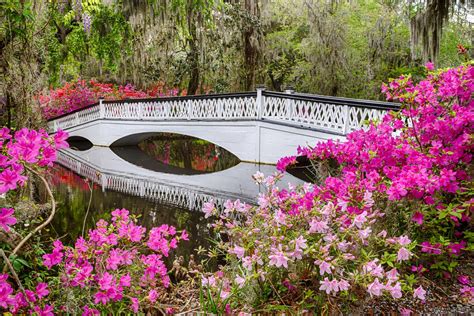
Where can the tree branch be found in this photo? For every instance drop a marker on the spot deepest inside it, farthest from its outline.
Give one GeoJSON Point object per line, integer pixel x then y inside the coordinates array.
{"type": "Point", "coordinates": [45, 223]}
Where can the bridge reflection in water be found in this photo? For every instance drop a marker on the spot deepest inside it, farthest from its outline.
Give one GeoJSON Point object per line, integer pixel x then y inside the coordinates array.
{"type": "Point", "coordinates": [156, 197]}
{"type": "Point", "coordinates": [111, 172]}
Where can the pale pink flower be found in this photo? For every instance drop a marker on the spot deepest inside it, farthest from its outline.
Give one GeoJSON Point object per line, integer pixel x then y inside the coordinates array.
{"type": "Point", "coordinates": [326, 286]}
{"type": "Point", "coordinates": [419, 293]}
{"type": "Point", "coordinates": [375, 288]}
{"type": "Point", "coordinates": [360, 219]}
{"type": "Point", "coordinates": [324, 267]}
{"type": "Point", "coordinates": [317, 226]}
{"type": "Point", "coordinates": [403, 254]}
{"type": "Point", "coordinates": [247, 263]}
{"type": "Point", "coordinates": [258, 177]}
{"type": "Point", "coordinates": [343, 285]}
{"type": "Point", "coordinates": [238, 251]}
{"type": "Point", "coordinates": [278, 259]}
{"type": "Point", "coordinates": [395, 290]}
{"type": "Point", "coordinates": [373, 268]}
{"type": "Point", "coordinates": [392, 275]}
{"type": "Point", "coordinates": [208, 208]}
{"type": "Point", "coordinates": [365, 233]}
{"type": "Point", "coordinates": [300, 243]}
{"type": "Point", "coordinates": [369, 201]}
{"type": "Point", "coordinates": [403, 240]}
{"type": "Point", "coordinates": [240, 281]}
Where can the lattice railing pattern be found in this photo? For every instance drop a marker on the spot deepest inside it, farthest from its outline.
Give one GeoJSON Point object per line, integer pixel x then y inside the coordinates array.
{"type": "Point", "coordinates": [358, 117]}
{"type": "Point", "coordinates": [191, 109]}
{"type": "Point", "coordinates": [74, 119]}
{"type": "Point", "coordinates": [334, 115]}
{"type": "Point", "coordinates": [330, 117]}
{"type": "Point", "coordinates": [146, 188]}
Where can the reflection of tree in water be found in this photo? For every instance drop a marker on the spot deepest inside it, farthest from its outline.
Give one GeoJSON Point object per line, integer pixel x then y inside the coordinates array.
{"type": "Point", "coordinates": [188, 152]}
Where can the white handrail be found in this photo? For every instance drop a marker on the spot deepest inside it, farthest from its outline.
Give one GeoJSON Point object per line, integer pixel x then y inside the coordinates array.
{"type": "Point", "coordinates": [332, 115]}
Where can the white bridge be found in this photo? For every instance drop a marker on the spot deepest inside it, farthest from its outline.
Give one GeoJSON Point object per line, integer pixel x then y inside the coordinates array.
{"type": "Point", "coordinates": [102, 166]}
{"type": "Point", "coordinates": [259, 126]}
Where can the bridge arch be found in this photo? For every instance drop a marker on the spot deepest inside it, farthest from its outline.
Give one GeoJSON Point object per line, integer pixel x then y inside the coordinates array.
{"type": "Point", "coordinates": [79, 143]}
{"type": "Point", "coordinates": [239, 138]}
{"type": "Point", "coordinates": [137, 138]}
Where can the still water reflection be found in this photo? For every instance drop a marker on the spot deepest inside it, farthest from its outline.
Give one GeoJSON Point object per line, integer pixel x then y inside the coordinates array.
{"type": "Point", "coordinates": [74, 195]}
{"type": "Point", "coordinates": [162, 180]}
{"type": "Point", "coordinates": [177, 154]}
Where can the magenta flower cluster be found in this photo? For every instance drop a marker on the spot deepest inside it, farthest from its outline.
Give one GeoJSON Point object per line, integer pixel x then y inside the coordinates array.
{"type": "Point", "coordinates": [420, 155]}
{"type": "Point", "coordinates": [22, 149]}
{"type": "Point", "coordinates": [417, 160]}
{"type": "Point", "coordinates": [32, 300]}
{"type": "Point", "coordinates": [118, 264]}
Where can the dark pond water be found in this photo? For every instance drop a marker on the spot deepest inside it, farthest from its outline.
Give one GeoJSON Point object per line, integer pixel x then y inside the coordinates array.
{"type": "Point", "coordinates": [177, 154]}
{"type": "Point", "coordinates": [75, 195]}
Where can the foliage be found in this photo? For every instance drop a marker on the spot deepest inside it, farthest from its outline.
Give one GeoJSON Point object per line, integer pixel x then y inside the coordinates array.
{"type": "Point", "coordinates": [114, 267]}
{"type": "Point", "coordinates": [81, 93]}
{"type": "Point", "coordinates": [407, 176]}
{"type": "Point", "coordinates": [25, 150]}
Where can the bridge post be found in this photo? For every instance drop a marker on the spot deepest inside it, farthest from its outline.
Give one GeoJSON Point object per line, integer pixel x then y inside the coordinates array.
{"type": "Point", "coordinates": [346, 119]}
{"type": "Point", "coordinates": [103, 181]}
{"type": "Point", "coordinates": [140, 110]}
{"type": "Point", "coordinates": [190, 109]}
{"type": "Point", "coordinates": [101, 108]}
{"type": "Point", "coordinates": [290, 104]}
{"type": "Point", "coordinates": [260, 102]}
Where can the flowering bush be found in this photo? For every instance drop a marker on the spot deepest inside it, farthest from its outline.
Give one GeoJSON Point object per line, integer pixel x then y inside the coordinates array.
{"type": "Point", "coordinates": [32, 150]}
{"type": "Point", "coordinates": [81, 93]}
{"type": "Point", "coordinates": [402, 194]}
{"type": "Point", "coordinates": [115, 268]}
{"type": "Point", "coordinates": [26, 149]}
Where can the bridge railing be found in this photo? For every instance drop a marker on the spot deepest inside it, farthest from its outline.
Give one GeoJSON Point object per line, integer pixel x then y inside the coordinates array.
{"type": "Point", "coordinates": [329, 114]}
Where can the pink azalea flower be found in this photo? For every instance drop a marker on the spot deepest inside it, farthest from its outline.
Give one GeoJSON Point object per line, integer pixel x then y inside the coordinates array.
{"type": "Point", "coordinates": [6, 218]}
{"type": "Point", "coordinates": [87, 311]}
{"type": "Point", "coordinates": [42, 290]}
{"type": "Point", "coordinates": [238, 251]}
{"type": "Point", "coordinates": [429, 66]}
{"type": "Point", "coordinates": [375, 288]}
{"type": "Point", "coordinates": [240, 281]}
{"type": "Point", "coordinates": [419, 293]}
{"type": "Point", "coordinates": [395, 290]}
{"type": "Point", "coordinates": [278, 259]}
{"type": "Point", "coordinates": [418, 218]}
{"type": "Point", "coordinates": [326, 286]}
{"type": "Point", "coordinates": [403, 254]}
{"type": "Point", "coordinates": [208, 208]}
{"type": "Point", "coordinates": [135, 306]}
{"type": "Point", "coordinates": [324, 267]}
{"type": "Point", "coordinates": [464, 279]}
